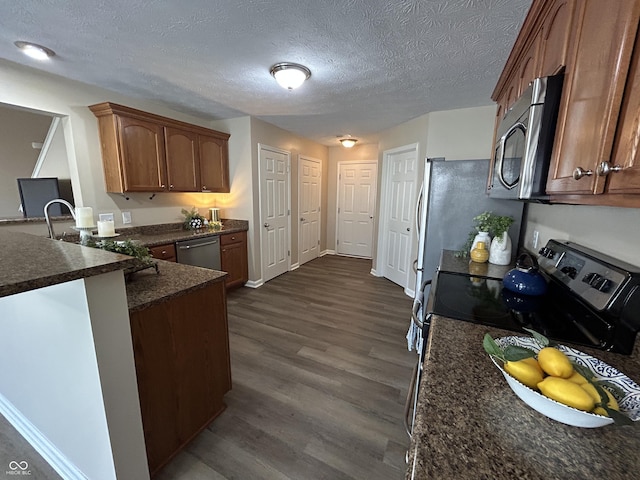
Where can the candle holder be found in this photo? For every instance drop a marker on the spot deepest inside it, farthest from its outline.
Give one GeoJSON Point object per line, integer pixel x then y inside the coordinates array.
{"type": "Point", "coordinates": [85, 233]}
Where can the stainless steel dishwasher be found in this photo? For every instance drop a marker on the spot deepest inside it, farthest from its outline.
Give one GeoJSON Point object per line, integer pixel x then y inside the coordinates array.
{"type": "Point", "coordinates": [201, 252]}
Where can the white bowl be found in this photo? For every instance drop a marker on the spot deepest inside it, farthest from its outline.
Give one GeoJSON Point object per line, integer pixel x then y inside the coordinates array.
{"type": "Point", "coordinates": [629, 404]}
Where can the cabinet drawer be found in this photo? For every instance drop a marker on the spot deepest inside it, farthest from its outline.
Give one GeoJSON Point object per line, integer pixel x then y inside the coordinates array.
{"type": "Point", "coordinates": [231, 238]}
{"type": "Point", "coordinates": [164, 252]}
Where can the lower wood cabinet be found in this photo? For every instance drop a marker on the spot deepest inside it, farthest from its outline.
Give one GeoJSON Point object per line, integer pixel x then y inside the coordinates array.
{"type": "Point", "coordinates": [164, 252]}
{"type": "Point", "coordinates": [233, 256]}
{"type": "Point", "coordinates": [181, 351]}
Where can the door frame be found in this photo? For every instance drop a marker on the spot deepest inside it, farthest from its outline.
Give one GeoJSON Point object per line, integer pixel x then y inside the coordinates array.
{"type": "Point", "coordinates": [383, 216]}
{"type": "Point", "coordinates": [319, 162]}
{"type": "Point", "coordinates": [262, 146]}
{"type": "Point", "coordinates": [375, 206]}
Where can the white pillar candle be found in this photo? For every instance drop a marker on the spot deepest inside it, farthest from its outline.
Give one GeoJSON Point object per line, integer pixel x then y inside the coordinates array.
{"type": "Point", "coordinates": [106, 228]}
{"type": "Point", "coordinates": [84, 217]}
{"type": "Point", "coordinates": [215, 214]}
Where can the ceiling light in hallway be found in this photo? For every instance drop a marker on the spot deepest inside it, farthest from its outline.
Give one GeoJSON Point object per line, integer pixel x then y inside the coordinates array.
{"type": "Point", "coordinates": [348, 142]}
{"type": "Point", "coordinates": [34, 50]}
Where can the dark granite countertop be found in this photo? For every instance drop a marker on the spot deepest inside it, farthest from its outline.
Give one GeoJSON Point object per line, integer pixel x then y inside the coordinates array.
{"type": "Point", "coordinates": [29, 262]}
{"type": "Point", "coordinates": [450, 263]}
{"type": "Point", "coordinates": [146, 288]}
{"type": "Point", "coordinates": [470, 424]}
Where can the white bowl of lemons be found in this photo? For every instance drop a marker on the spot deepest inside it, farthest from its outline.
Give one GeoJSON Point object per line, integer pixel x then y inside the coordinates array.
{"type": "Point", "coordinates": [568, 387]}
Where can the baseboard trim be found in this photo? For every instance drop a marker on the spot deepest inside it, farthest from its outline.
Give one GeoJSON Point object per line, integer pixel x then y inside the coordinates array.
{"type": "Point", "coordinates": [375, 273]}
{"type": "Point", "coordinates": [327, 252]}
{"type": "Point", "coordinates": [295, 266]}
{"type": "Point", "coordinates": [54, 457]}
{"type": "Point", "coordinates": [254, 283]}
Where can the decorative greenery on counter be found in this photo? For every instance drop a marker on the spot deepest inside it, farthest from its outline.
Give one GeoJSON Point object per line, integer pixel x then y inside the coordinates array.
{"type": "Point", "coordinates": [193, 220]}
{"type": "Point", "coordinates": [126, 247]}
{"type": "Point", "coordinates": [496, 225]}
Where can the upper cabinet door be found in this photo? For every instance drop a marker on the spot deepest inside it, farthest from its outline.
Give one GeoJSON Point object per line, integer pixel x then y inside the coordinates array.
{"type": "Point", "coordinates": [214, 164]}
{"type": "Point", "coordinates": [554, 37]}
{"type": "Point", "coordinates": [625, 175]}
{"type": "Point", "coordinates": [142, 155]}
{"type": "Point", "coordinates": [604, 34]}
{"type": "Point", "coordinates": [183, 170]}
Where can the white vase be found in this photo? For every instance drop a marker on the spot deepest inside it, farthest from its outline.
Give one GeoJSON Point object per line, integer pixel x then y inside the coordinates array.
{"type": "Point", "coordinates": [481, 237]}
{"type": "Point", "coordinates": [500, 251]}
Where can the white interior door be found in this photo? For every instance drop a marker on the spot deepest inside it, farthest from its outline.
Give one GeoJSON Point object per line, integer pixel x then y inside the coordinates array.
{"type": "Point", "coordinates": [357, 183]}
{"type": "Point", "coordinates": [274, 211]}
{"type": "Point", "coordinates": [309, 180]}
{"type": "Point", "coordinates": [401, 178]}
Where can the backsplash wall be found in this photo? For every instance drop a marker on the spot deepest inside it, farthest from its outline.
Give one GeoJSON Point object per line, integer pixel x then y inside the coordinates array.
{"type": "Point", "coordinates": [614, 231]}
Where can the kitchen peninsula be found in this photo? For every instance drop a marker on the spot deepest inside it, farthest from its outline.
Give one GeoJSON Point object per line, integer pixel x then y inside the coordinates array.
{"type": "Point", "coordinates": [74, 389]}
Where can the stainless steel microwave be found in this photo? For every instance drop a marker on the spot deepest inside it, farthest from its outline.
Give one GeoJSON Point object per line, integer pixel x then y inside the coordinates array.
{"type": "Point", "coordinates": [524, 141]}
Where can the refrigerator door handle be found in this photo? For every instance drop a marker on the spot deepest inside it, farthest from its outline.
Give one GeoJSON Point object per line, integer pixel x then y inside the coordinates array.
{"type": "Point", "coordinates": [418, 210]}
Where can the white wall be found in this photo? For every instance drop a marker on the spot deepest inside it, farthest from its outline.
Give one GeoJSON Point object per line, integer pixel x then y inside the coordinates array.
{"type": "Point", "coordinates": [76, 391]}
{"type": "Point", "coordinates": [614, 231]}
{"type": "Point", "coordinates": [463, 134]}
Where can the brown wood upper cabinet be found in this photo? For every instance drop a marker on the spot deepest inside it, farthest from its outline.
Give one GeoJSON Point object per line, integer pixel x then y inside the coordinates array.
{"type": "Point", "coordinates": [143, 152]}
{"type": "Point", "coordinates": [603, 37]}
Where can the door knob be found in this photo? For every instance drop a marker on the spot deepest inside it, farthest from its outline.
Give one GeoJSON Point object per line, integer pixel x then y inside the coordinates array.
{"type": "Point", "coordinates": [302, 219]}
{"type": "Point", "coordinates": [266, 225]}
{"type": "Point", "coordinates": [371, 217]}
{"type": "Point", "coordinates": [408, 229]}
{"type": "Point", "coordinates": [580, 172]}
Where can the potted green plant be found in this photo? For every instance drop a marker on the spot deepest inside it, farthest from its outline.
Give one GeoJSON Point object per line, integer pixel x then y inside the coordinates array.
{"type": "Point", "coordinates": [494, 225]}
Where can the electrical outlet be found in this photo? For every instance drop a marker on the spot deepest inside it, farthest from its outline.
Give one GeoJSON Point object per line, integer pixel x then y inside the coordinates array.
{"type": "Point", "coordinates": [535, 238]}
{"type": "Point", "coordinates": [106, 217]}
{"type": "Point", "coordinates": [126, 217]}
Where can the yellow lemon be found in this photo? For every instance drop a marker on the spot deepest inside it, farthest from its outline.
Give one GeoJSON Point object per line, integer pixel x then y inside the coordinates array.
{"type": "Point", "coordinates": [566, 392]}
{"type": "Point", "coordinates": [577, 378]}
{"type": "Point", "coordinates": [525, 371]}
{"type": "Point", "coordinates": [612, 403]}
{"type": "Point", "coordinates": [555, 363]}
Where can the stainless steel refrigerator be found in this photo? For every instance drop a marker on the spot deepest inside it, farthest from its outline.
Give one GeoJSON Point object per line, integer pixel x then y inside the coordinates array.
{"type": "Point", "coordinates": [452, 194]}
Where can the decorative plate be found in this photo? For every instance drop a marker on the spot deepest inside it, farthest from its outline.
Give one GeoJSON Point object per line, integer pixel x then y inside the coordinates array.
{"type": "Point", "coordinates": [629, 404]}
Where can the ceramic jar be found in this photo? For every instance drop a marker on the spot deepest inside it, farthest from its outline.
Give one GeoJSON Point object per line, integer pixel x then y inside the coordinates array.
{"type": "Point", "coordinates": [500, 250]}
{"type": "Point", "coordinates": [480, 254]}
{"type": "Point", "coordinates": [481, 237]}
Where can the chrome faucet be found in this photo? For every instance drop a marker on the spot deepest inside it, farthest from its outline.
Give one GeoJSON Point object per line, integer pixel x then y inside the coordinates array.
{"type": "Point", "coordinates": [46, 214]}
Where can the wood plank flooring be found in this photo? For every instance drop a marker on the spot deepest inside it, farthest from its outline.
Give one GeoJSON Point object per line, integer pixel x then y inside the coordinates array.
{"type": "Point", "coordinates": [320, 371]}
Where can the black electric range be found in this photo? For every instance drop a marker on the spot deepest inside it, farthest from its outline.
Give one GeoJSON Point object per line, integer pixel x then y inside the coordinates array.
{"type": "Point", "coordinates": [591, 300]}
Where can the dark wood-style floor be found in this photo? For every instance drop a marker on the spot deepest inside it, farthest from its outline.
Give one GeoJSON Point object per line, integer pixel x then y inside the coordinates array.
{"type": "Point", "coordinates": [320, 372]}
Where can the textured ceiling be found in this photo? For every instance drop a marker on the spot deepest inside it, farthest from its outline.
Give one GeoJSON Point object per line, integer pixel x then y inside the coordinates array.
{"type": "Point", "coordinates": [374, 63]}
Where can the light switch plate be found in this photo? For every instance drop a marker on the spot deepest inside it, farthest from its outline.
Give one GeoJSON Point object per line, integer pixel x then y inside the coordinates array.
{"type": "Point", "coordinates": [126, 217]}
{"type": "Point", "coordinates": [105, 217]}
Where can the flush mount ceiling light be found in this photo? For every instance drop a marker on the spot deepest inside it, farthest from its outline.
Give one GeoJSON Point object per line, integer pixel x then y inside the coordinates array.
{"type": "Point", "coordinates": [34, 50]}
{"type": "Point", "coordinates": [290, 75]}
{"type": "Point", "coordinates": [348, 142]}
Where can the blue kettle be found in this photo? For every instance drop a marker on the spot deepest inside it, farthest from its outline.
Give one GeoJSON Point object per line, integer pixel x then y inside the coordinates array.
{"type": "Point", "coordinates": [525, 278]}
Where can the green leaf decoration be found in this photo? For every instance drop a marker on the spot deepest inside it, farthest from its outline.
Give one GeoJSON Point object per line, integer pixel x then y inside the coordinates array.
{"type": "Point", "coordinates": [541, 339]}
{"type": "Point", "coordinates": [614, 389]}
{"type": "Point", "coordinates": [513, 353]}
{"type": "Point", "coordinates": [619, 419]}
{"type": "Point", "coordinates": [492, 348]}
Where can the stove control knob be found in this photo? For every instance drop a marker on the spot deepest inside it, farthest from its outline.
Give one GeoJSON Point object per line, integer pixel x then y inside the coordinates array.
{"type": "Point", "coordinates": [546, 252]}
{"type": "Point", "coordinates": [571, 272]}
{"type": "Point", "coordinates": [602, 284]}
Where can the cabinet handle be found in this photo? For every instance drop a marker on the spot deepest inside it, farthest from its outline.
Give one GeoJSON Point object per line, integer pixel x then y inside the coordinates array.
{"type": "Point", "coordinates": [605, 169]}
{"type": "Point", "coordinates": [233, 238]}
{"type": "Point", "coordinates": [204, 187]}
{"type": "Point", "coordinates": [163, 185]}
{"type": "Point", "coordinates": [580, 172]}
{"type": "Point", "coordinates": [171, 185]}
{"type": "Point", "coordinates": [164, 252]}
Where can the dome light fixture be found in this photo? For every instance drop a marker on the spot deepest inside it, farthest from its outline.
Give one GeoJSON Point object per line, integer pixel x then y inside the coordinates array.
{"type": "Point", "coordinates": [290, 75]}
{"type": "Point", "coordinates": [348, 142]}
{"type": "Point", "coordinates": [34, 50]}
